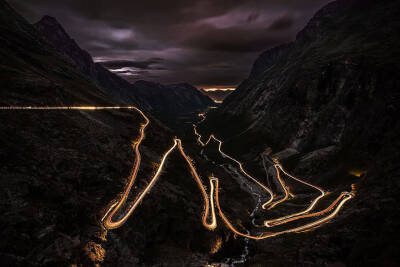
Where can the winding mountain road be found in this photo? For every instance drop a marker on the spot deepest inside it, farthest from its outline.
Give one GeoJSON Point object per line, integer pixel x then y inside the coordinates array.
{"type": "Point", "coordinates": [211, 200]}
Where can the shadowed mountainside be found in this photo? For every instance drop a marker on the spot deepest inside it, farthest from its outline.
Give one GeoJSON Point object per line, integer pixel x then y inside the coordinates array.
{"type": "Point", "coordinates": [166, 102]}
{"type": "Point", "coordinates": [327, 105]}
{"type": "Point", "coordinates": [61, 168]}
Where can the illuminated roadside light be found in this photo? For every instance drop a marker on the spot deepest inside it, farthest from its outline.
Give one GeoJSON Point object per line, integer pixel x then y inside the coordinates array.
{"type": "Point", "coordinates": [216, 246]}
{"type": "Point", "coordinates": [357, 172]}
{"type": "Point", "coordinates": [353, 189]}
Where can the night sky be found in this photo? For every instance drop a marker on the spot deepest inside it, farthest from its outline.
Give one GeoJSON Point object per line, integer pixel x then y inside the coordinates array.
{"type": "Point", "coordinates": [206, 43]}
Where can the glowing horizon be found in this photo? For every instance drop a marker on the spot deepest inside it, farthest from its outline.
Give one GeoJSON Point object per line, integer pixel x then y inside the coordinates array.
{"type": "Point", "coordinates": [213, 89]}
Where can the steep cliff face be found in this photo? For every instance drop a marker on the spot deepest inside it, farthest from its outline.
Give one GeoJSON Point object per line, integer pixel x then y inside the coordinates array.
{"type": "Point", "coordinates": [35, 71]}
{"type": "Point", "coordinates": [335, 85]}
{"type": "Point", "coordinates": [327, 104]}
{"type": "Point", "coordinates": [58, 37]}
{"type": "Point", "coordinates": [163, 101]}
{"type": "Point", "coordinates": [120, 89]}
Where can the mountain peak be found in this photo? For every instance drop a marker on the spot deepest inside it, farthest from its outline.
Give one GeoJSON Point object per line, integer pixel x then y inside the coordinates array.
{"type": "Point", "coordinates": [185, 85]}
{"type": "Point", "coordinates": [50, 25]}
{"type": "Point", "coordinates": [47, 18]}
{"type": "Point", "coordinates": [329, 10]}
{"type": "Point", "coordinates": [56, 35]}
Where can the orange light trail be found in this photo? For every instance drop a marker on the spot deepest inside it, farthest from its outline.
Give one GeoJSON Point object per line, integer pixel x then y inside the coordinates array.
{"type": "Point", "coordinates": [66, 108]}
{"type": "Point", "coordinates": [287, 219]}
{"type": "Point", "coordinates": [212, 200]}
{"type": "Point", "coordinates": [114, 208]}
{"type": "Point", "coordinates": [271, 195]}
{"type": "Point", "coordinates": [283, 219]}
{"type": "Point", "coordinates": [343, 197]}
{"type": "Point", "coordinates": [213, 223]}
{"type": "Point", "coordinates": [307, 226]}
{"type": "Point", "coordinates": [107, 219]}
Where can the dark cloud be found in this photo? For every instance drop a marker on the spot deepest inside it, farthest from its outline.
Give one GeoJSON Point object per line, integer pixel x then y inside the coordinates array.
{"type": "Point", "coordinates": [205, 42]}
{"type": "Point", "coordinates": [146, 64]}
{"type": "Point", "coordinates": [282, 23]}
{"type": "Point", "coordinates": [252, 17]}
{"type": "Point", "coordinates": [235, 39]}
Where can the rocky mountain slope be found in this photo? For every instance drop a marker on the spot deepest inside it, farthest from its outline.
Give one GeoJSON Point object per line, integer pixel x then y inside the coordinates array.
{"type": "Point", "coordinates": [61, 168]}
{"type": "Point", "coordinates": [163, 101]}
{"type": "Point", "coordinates": [327, 104]}
{"type": "Point", "coordinates": [174, 103]}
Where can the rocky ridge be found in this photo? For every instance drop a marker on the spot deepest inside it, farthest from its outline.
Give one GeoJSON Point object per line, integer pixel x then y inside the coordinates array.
{"type": "Point", "coordinates": [163, 101]}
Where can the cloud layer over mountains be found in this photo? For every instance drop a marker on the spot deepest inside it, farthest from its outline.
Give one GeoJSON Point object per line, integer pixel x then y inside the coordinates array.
{"type": "Point", "coordinates": [206, 43]}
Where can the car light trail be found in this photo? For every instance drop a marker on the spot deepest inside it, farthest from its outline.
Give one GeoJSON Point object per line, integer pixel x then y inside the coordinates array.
{"type": "Point", "coordinates": [207, 203]}
{"type": "Point", "coordinates": [211, 201]}
{"type": "Point", "coordinates": [114, 208]}
{"type": "Point", "coordinates": [283, 219]}
{"type": "Point", "coordinates": [66, 108]}
{"type": "Point", "coordinates": [107, 219]}
{"type": "Point", "coordinates": [271, 195]}
{"type": "Point", "coordinates": [214, 181]}
{"type": "Point", "coordinates": [284, 188]}
{"type": "Point", "coordinates": [299, 215]}
{"type": "Point", "coordinates": [343, 197]}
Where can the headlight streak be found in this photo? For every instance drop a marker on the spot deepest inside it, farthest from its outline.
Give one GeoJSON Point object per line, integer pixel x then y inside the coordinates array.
{"type": "Point", "coordinates": [211, 201]}
{"type": "Point", "coordinates": [297, 216]}
{"type": "Point", "coordinates": [344, 197]}
{"type": "Point", "coordinates": [283, 185]}
{"type": "Point", "coordinates": [107, 219]}
{"type": "Point", "coordinates": [283, 219]}
{"type": "Point", "coordinates": [271, 195]}
{"type": "Point", "coordinates": [307, 226]}
{"type": "Point", "coordinates": [207, 203]}
{"type": "Point", "coordinates": [66, 108]}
